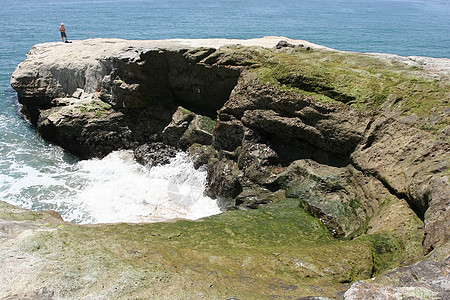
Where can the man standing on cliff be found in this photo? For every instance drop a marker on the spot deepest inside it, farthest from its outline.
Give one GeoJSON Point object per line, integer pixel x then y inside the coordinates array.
{"type": "Point", "coordinates": [62, 29]}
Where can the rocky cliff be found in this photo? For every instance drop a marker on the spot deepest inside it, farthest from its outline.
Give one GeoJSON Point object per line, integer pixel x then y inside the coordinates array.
{"type": "Point", "coordinates": [359, 140]}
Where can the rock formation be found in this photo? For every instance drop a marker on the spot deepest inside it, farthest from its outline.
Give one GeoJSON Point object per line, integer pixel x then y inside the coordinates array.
{"type": "Point", "coordinates": [361, 140]}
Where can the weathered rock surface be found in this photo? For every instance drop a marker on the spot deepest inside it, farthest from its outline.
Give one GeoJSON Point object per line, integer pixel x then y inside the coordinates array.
{"type": "Point", "coordinates": [187, 128]}
{"type": "Point", "coordinates": [412, 163]}
{"type": "Point", "coordinates": [360, 140]}
{"type": "Point", "coordinates": [277, 251]}
{"type": "Point", "coordinates": [153, 154]}
{"type": "Point", "coordinates": [425, 279]}
{"type": "Point", "coordinates": [289, 118]}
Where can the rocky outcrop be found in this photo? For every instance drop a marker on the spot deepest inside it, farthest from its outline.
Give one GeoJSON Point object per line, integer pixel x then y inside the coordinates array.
{"type": "Point", "coordinates": [291, 119]}
{"type": "Point", "coordinates": [364, 157]}
{"type": "Point", "coordinates": [138, 88]}
{"type": "Point", "coordinates": [278, 251]}
{"type": "Point", "coordinates": [412, 164]}
{"type": "Point", "coordinates": [361, 141]}
{"type": "Point", "coordinates": [426, 279]}
{"type": "Point", "coordinates": [153, 154]}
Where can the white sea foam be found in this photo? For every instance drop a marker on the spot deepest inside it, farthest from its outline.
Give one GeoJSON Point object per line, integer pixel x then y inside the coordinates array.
{"type": "Point", "coordinates": [121, 190]}
{"type": "Point", "coordinates": [113, 189]}
{"type": "Point", "coordinates": [37, 175]}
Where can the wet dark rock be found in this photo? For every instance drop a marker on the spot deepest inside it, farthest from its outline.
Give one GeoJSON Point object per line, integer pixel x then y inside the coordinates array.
{"type": "Point", "coordinates": [199, 132]}
{"type": "Point", "coordinates": [200, 154]}
{"type": "Point", "coordinates": [282, 44]}
{"type": "Point", "coordinates": [173, 132]}
{"type": "Point", "coordinates": [224, 180]}
{"type": "Point", "coordinates": [254, 196]}
{"type": "Point", "coordinates": [153, 154]}
{"type": "Point", "coordinates": [228, 135]}
{"type": "Point", "coordinates": [329, 220]}
{"type": "Point", "coordinates": [86, 128]}
{"type": "Point", "coordinates": [187, 128]}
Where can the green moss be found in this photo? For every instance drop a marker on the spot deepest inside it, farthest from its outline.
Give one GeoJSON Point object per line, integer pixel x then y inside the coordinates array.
{"type": "Point", "coordinates": [355, 203]}
{"type": "Point", "coordinates": [358, 80]}
{"type": "Point", "coordinates": [186, 111]}
{"type": "Point", "coordinates": [207, 124]}
{"type": "Point", "coordinates": [97, 107]}
{"type": "Point", "coordinates": [279, 250]}
{"type": "Point", "coordinates": [387, 251]}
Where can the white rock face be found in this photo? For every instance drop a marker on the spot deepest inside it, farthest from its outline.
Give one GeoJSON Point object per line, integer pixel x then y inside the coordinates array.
{"type": "Point", "coordinates": [83, 64]}
{"type": "Point", "coordinates": [61, 68]}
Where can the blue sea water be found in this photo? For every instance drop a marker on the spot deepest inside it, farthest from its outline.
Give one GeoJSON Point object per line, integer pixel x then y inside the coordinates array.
{"type": "Point", "coordinates": [37, 175]}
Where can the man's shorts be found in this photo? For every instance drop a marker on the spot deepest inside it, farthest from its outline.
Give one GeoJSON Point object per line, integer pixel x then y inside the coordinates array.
{"type": "Point", "coordinates": [63, 34]}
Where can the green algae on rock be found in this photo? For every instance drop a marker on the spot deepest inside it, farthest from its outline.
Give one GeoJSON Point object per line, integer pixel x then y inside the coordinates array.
{"type": "Point", "coordinates": [279, 250]}
{"type": "Point", "coordinates": [360, 80]}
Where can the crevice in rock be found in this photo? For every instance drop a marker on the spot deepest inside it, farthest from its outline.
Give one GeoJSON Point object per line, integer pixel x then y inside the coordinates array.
{"type": "Point", "coordinates": [296, 149]}
{"type": "Point", "coordinates": [313, 85]}
{"type": "Point", "coordinates": [31, 106]}
{"type": "Point", "coordinates": [420, 213]}
{"type": "Point", "coordinates": [329, 221]}
{"type": "Point", "coordinates": [417, 210]}
{"type": "Point", "coordinates": [204, 88]}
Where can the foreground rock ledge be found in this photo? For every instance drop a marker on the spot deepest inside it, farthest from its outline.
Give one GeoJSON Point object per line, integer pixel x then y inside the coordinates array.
{"type": "Point", "coordinates": [279, 251]}
{"type": "Point", "coordinates": [361, 140]}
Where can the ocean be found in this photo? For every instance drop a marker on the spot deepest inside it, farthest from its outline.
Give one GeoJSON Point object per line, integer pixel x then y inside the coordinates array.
{"type": "Point", "coordinates": [38, 175]}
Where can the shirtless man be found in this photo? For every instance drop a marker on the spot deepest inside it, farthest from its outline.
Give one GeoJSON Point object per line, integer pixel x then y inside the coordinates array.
{"type": "Point", "coordinates": [62, 29]}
